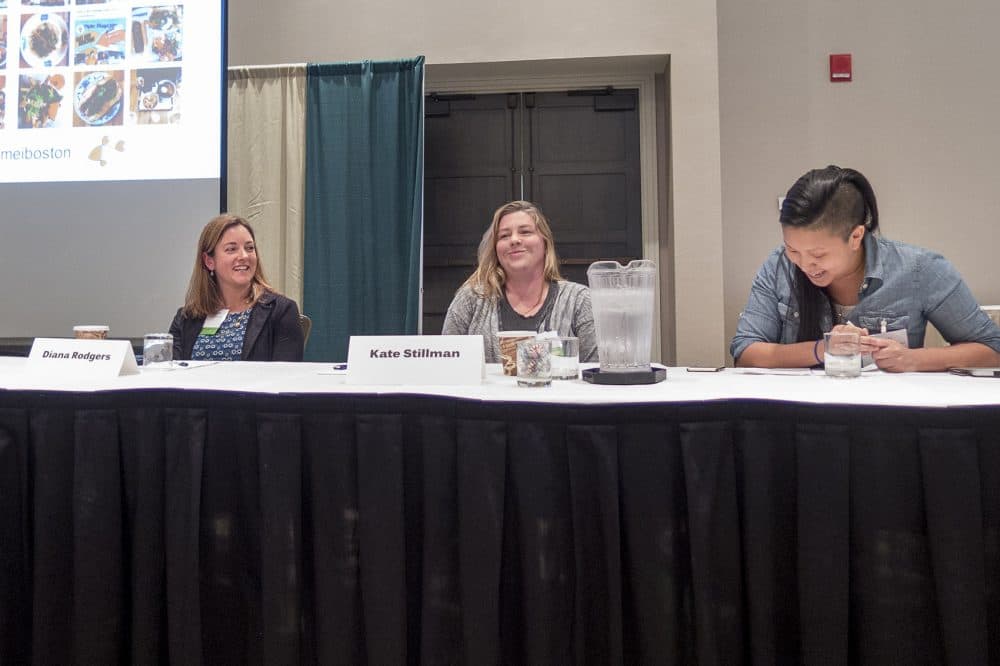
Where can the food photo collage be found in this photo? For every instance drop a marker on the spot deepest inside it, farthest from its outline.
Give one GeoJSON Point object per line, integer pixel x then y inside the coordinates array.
{"type": "Point", "coordinates": [89, 63]}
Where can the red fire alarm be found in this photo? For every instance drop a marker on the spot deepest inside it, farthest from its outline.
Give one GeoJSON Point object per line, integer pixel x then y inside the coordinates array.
{"type": "Point", "coordinates": [840, 67]}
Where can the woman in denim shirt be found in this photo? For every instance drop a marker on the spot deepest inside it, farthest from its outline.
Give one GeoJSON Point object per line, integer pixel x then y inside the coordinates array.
{"type": "Point", "coordinates": [834, 272]}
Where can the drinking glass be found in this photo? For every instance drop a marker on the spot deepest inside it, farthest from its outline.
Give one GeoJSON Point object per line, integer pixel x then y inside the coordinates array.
{"type": "Point", "coordinates": [565, 352]}
{"type": "Point", "coordinates": [158, 351]}
{"type": "Point", "coordinates": [534, 362]}
{"type": "Point", "coordinates": [842, 357]}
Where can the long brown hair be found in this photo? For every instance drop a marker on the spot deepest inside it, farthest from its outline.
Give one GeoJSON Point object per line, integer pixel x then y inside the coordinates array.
{"type": "Point", "coordinates": [203, 295]}
{"type": "Point", "coordinates": [489, 277]}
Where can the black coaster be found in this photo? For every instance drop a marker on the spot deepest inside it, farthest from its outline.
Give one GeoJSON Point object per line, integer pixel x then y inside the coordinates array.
{"type": "Point", "coordinates": [653, 376]}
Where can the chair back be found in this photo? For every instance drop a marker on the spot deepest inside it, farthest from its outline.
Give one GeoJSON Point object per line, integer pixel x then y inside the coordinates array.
{"type": "Point", "coordinates": [307, 325]}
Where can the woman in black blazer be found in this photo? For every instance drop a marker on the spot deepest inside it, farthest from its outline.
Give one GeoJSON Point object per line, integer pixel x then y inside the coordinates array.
{"type": "Point", "coordinates": [230, 312]}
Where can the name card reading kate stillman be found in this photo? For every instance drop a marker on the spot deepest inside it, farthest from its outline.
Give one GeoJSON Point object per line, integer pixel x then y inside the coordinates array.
{"type": "Point", "coordinates": [415, 353]}
{"type": "Point", "coordinates": [415, 359]}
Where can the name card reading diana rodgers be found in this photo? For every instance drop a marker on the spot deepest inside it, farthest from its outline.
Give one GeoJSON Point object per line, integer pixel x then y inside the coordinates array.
{"type": "Point", "coordinates": [87, 359]}
{"type": "Point", "coordinates": [415, 359]}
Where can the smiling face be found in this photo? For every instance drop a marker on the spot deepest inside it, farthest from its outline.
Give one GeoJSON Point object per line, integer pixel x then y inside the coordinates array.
{"type": "Point", "coordinates": [824, 256]}
{"type": "Point", "coordinates": [234, 258]}
{"type": "Point", "coordinates": [519, 245]}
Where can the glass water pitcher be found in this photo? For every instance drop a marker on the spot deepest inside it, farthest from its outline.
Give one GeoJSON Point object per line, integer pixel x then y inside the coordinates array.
{"type": "Point", "coordinates": [622, 299]}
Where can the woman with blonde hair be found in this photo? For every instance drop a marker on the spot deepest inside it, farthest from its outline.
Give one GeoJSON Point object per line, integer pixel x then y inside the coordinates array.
{"type": "Point", "coordinates": [230, 312]}
{"type": "Point", "coordinates": [517, 286]}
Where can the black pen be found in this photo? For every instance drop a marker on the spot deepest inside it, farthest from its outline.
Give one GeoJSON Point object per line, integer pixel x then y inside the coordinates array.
{"type": "Point", "coordinates": [183, 364]}
{"type": "Point", "coordinates": [340, 366]}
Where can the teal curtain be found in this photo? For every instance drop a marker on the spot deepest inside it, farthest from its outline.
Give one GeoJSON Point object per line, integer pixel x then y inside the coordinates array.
{"type": "Point", "coordinates": [364, 201]}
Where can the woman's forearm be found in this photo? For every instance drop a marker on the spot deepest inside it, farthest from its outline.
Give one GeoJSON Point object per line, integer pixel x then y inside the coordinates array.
{"type": "Point", "coordinates": [775, 355]}
{"type": "Point", "coordinates": [958, 355]}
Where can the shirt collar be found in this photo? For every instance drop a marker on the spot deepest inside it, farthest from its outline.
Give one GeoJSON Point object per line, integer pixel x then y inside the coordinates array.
{"type": "Point", "coordinates": [874, 268]}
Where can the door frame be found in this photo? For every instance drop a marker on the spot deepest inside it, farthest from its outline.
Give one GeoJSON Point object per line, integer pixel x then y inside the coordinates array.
{"type": "Point", "coordinates": [638, 72]}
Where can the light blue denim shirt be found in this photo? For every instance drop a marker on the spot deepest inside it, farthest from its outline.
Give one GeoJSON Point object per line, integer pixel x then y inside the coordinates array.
{"type": "Point", "coordinates": [907, 286]}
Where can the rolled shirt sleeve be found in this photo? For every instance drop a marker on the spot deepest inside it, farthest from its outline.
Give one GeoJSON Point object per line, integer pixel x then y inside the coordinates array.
{"type": "Point", "coordinates": [763, 318]}
{"type": "Point", "coordinates": [951, 307]}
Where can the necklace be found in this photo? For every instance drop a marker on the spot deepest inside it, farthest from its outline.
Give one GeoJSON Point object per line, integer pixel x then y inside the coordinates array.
{"type": "Point", "coordinates": [842, 312]}
{"type": "Point", "coordinates": [533, 308]}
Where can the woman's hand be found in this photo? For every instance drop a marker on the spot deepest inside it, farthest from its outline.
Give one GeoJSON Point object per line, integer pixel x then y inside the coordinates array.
{"type": "Point", "coordinates": [892, 356]}
{"type": "Point", "coordinates": [868, 345]}
{"type": "Point", "coordinates": [849, 328]}
{"type": "Point", "coordinates": [866, 348]}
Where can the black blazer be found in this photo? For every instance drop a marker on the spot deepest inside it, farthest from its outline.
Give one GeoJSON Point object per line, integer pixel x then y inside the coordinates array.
{"type": "Point", "coordinates": [273, 332]}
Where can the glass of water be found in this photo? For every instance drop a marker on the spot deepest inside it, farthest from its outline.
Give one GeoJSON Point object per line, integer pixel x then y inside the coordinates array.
{"type": "Point", "coordinates": [565, 357]}
{"type": "Point", "coordinates": [842, 357]}
{"type": "Point", "coordinates": [158, 351]}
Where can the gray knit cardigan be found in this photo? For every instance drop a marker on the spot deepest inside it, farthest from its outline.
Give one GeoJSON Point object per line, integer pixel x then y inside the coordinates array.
{"type": "Point", "coordinates": [472, 314]}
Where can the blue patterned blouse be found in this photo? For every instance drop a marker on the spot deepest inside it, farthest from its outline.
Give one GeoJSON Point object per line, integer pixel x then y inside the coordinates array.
{"type": "Point", "coordinates": [227, 343]}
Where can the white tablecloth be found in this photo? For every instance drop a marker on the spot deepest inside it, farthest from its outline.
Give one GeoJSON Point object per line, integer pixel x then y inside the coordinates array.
{"type": "Point", "coordinates": [939, 390]}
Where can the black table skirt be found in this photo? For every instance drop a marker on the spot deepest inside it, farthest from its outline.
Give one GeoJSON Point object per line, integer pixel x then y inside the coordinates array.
{"type": "Point", "coordinates": [216, 528]}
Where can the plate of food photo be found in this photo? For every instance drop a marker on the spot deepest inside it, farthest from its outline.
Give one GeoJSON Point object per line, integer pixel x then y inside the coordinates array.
{"type": "Point", "coordinates": [98, 98]}
{"type": "Point", "coordinates": [157, 34]}
{"type": "Point", "coordinates": [3, 41]}
{"type": "Point", "coordinates": [39, 101]}
{"type": "Point", "coordinates": [165, 18]}
{"type": "Point", "coordinates": [44, 40]}
{"type": "Point", "coordinates": [166, 46]}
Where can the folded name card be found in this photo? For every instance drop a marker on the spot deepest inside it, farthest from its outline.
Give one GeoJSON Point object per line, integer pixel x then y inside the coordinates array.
{"type": "Point", "coordinates": [415, 359]}
{"type": "Point", "coordinates": [71, 358]}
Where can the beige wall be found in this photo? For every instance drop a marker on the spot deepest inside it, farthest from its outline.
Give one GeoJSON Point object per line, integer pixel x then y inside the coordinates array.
{"type": "Point", "coordinates": [919, 119]}
{"type": "Point", "coordinates": [454, 31]}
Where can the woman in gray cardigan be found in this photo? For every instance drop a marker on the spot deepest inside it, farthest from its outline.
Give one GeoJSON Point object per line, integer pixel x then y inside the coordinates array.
{"type": "Point", "coordinates": [517, 286]}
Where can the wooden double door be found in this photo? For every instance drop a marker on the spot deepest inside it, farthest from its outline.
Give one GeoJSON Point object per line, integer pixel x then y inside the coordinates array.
{"type": "Point", "coordinates": [574, 153]}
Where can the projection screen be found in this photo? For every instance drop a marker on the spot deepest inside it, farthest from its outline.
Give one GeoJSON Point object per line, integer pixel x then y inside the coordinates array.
{"type": "Point", "coordinates": [112, 152]}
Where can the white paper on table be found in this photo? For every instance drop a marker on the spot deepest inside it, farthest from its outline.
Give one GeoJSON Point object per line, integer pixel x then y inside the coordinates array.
{"type": "Point", "coordinates": [772, 371]}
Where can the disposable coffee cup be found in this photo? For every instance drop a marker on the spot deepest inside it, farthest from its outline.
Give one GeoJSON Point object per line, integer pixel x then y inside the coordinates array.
{"type": "Point", "coordinates": [507, 341]}
{"type": "Point", "coordinates": [91, 332]}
